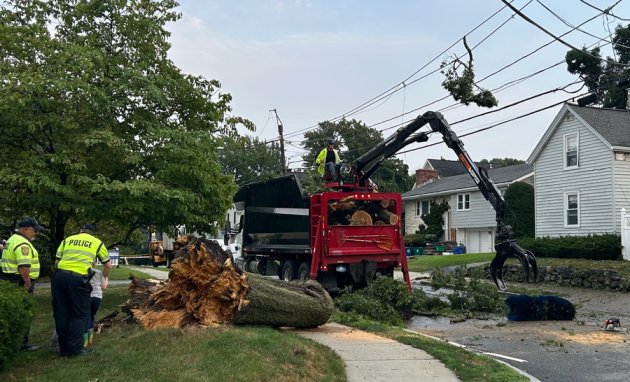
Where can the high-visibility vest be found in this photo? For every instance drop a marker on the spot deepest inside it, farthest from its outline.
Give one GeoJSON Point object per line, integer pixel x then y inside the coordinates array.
{"type": "Point", "coordinates": [19, 251]}
{"type": "Point", "coordinates": [77, 253]}
{"type": "Point", "coordinates": [321, 158]}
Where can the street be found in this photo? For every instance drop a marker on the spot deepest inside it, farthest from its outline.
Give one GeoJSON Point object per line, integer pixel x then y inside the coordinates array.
{"type": "Point", "coordinates": [578, 350]}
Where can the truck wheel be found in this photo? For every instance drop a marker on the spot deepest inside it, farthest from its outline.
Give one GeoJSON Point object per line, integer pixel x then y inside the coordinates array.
{"type": "Point", "coordinates": [289, 270]}
{"type": "Point", "coordinates": [304, 271]}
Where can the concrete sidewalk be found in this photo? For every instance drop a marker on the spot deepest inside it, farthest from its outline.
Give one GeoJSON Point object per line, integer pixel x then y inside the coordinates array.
{"type": "Point", "coordinates": [158, 273]}
{"type": "Point", "coordinates": [369, 357]}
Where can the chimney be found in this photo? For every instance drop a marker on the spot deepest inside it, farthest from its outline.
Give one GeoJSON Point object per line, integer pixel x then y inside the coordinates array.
{"type": "Point", "coordinates": [425, 176]}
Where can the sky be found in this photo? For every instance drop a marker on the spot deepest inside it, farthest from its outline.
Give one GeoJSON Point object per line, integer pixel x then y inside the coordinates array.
{"type": "Point", "coordinates": [315, 61]}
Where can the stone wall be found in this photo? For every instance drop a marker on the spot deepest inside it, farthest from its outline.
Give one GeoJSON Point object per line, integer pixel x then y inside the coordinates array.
{"type": "Point", "coordinates": [568, 276]}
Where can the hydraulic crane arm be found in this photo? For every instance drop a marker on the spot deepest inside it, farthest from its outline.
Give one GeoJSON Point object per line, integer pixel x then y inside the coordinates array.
{"type": "Point", "coordinates": [505, 241]}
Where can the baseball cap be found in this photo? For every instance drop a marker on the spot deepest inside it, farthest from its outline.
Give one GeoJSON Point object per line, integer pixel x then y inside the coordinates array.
{"type": "Point", "coordinates": [89, 227]}
{"type": "Point", "coordinates": [30, 222]}
{"type": "Point", "coordinates": [330, 141]}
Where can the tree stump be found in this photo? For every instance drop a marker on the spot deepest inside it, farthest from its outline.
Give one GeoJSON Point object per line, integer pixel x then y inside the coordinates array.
{"type": "Point", "coordinates": [205, 288]}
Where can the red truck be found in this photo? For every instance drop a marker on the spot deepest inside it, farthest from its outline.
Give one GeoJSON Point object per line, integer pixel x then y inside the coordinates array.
{"type": "Point", "coordinates": [352, 234]}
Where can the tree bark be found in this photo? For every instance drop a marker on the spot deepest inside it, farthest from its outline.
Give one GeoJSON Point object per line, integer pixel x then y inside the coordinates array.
{"type": "Point", "coordinates": [205, 288]}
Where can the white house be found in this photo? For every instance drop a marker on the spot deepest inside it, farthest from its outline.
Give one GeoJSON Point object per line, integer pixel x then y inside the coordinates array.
{"type": "Point", "coordinates": [582, 166]}
{"type": "Point", "coordinates": [471, 220]}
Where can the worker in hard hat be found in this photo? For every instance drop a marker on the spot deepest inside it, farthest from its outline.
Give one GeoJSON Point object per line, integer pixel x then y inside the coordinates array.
{"type": "Point", "coordinates": [328, 161]}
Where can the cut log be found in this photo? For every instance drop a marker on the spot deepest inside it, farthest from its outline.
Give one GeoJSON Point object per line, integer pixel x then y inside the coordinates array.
{"type": "Point", "coordinates": [205, 288]}
{"type": "Point", "coordinates": [361, 217]}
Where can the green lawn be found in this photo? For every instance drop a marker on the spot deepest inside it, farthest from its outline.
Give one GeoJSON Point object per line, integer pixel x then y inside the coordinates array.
{"type": "Point", "coordinates": [428, 263]}
{"type": "Point", "coordinates": [129, 353]}
{"type": "Point", "coordinates": [123, 273]}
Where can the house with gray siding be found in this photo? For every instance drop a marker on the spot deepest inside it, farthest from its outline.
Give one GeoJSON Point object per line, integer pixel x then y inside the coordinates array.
{"type": "Point", "coordinates": [470, 219]}
{"type": "Point", "coordinates": [582, 166]}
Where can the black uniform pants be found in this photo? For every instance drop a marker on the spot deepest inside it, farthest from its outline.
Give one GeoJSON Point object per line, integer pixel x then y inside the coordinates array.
{"type": "Point", "coordinates": [71, 309]}
{"type": "Point", "coordinates": [17, 279]}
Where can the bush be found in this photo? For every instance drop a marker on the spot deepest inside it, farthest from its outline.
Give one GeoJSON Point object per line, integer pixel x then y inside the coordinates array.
{"type": "Point", "coordinates": [471, 295]}
{"type": "Point", "coordinates": [593, 247]}
{"type": "Point", "coordinates": [16, 311]}
{"type": "Point", "coordinates": [385, 300]}
{"type": "Point", "coordinates": [414, 240]}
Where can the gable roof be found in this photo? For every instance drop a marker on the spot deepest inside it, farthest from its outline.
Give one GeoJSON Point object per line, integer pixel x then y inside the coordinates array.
{"type": "Point", "coordinates": [451, 184]}
{"type": "Point", "coordinates": [446, 168]}
{"type": "Point", "coordinates": [612, 126]}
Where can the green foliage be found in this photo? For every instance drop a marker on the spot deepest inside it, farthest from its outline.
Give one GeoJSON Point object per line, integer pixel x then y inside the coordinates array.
{"type": "Point", "coordinates": [247, 159]}
{"type": "Point", "coordinates": [100, 126]}
{"type": "Point", "coordinates": [353, 139]}
{"type": "Point", "coordinates": [385, 300]}
{"type": "Point", "coordinates": [520, 198]}
{"type": "Point", "coordinates": [433, 221]}
{"type": "Point", "coordinates": [600, 76]}
{"type": "Point", "coordinates": [16, 311]}
{"type": "Point", "coordinates": [462, 86]}
{"type": "Point", "coordinates": [593, 247]}
{"type": "Point", "coordinates": [472, 295]}
{"type": "Point", "coordinates": [414, 240]}
{"type": "Point", "coordinates": [502, 162]}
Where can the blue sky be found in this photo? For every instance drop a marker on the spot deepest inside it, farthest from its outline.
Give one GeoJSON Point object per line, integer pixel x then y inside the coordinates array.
{"type": "Point", "coordinates": [317, 60]}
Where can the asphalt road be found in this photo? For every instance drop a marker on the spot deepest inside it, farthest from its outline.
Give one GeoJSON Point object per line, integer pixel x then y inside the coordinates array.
{"type": "Point", "coordinates": [578, 350]}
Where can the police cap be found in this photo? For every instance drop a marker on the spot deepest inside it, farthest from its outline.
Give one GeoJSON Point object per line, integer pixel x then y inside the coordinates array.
{"type": "Point", "coordinates": [30, 222]}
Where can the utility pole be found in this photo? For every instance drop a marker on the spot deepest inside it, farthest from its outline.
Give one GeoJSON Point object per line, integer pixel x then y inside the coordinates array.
{"type": "Point", "coordinates": [280, 133]}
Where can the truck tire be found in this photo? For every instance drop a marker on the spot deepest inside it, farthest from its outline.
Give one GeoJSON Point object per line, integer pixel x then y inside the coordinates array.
{"type": "Point", "coordinates": [289, 270]}
{"type": "Point", "coordinates": [304, 271]}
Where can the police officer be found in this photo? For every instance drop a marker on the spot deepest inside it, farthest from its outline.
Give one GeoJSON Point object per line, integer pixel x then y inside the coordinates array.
{"type": "Point", "coordinates": [20, 262]}
{"type": "Point", "coordinates": [71, 287]}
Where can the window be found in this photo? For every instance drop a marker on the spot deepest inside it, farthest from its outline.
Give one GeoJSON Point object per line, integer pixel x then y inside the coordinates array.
{"type": "Point", "coordinates": [572, 207]}
{"type": "Point", "coordinates": [571, 150]}
{"type": "Point", "coordinates": [463, 202]}
{"type": "Point", "coordinates": [418, 208]}
{"type": "Point", "coordinates": [621, 156]}
{"type": "Point", "coordinates": [425, 207]}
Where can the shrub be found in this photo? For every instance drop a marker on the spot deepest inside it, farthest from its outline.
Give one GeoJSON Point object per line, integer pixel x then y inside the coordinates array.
{"type": "Point", "coordinates": [385, 300]}
{"type": "Point", "coordinates": [472, 295]}
{"type": "Point", "coordinates": [16, 311]}
{"type": "Point", "coordinates": [414, 240]}
{"type": "Point", "coordinates": [593, 247]}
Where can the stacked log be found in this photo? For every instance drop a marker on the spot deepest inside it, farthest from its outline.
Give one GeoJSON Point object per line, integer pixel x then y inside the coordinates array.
{"type": "Point", "coordinates": [205, 288]}
{"type": "Point", "coordinates": [362, 212]}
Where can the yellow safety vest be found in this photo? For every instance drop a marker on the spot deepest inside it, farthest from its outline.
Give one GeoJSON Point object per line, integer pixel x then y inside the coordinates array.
{"type": "Point", "coordinates": [77, 253]}
{"type": "Point", "coordinates": [321, 158]}
{"type": "Point", "coordinates": [19, 251]}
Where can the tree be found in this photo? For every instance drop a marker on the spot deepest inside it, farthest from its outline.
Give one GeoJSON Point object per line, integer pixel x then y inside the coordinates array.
{"type": "Point", "coordinates": [502, 162]}
{"type": "Point", "coordinates": [434, 221]}
{"type": "Point", "coordinates": [247, 159]}
{"type": "Point", "coordinates": [601, 76]}
{"type": "Point", "coordinates": [520, 198]}
{"type": "Point", "coordinates": [353, 139]}
{"type": "Point", "coordinates": [99, 126]}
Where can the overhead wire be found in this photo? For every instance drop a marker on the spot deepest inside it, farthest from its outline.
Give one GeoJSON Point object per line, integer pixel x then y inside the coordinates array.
{"type": "Point", "coordinates": [396, 87]}
{"type": "Point", "coordinates": [606, 11]}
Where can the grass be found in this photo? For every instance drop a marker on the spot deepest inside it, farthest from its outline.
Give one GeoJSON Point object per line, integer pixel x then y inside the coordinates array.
{"type": "Point", "coordinates": [467, 365]}
{"type": "Point", "coordinates": [428, 263]}
{"type": "Point", "coordinates": [123, 273]}
{"type": "Point", "coordinates": [224, 353]}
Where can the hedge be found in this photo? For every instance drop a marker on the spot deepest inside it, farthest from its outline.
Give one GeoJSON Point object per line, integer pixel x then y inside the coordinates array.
{"type": "Point", "coordinates": [593, 247]}
{"type": "Point", "coordinates": [16, 311]}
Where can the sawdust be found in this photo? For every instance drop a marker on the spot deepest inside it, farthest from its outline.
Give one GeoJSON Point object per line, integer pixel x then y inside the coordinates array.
{"type": "Point", "coordinates": [594, 338]}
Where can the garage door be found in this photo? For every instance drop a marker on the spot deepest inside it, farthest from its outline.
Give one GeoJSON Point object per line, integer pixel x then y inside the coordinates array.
{"type": "Point", "coordinates": [478, 241]}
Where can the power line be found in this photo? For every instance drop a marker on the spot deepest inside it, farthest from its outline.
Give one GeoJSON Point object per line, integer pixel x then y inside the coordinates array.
{"type": "Point", "coordinates": [406, 81]}
{"type": "Point", "coordinates": [557, 38]}
{"type": "Point", "coordinates": [606, 11]}
{"type": "Point", "coordinates": [497, 124]}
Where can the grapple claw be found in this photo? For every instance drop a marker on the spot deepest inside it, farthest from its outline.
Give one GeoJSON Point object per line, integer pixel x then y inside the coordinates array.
{"type": "Point", "coordinates": [511, 249]}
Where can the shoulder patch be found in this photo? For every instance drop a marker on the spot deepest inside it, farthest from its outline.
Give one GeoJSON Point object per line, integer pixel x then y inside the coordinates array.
{"type": "Point", "coordinates": [25, 250]}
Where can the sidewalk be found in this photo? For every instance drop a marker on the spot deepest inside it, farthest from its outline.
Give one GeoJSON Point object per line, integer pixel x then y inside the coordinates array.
{"type": "Point", "coordinates": [369, 357]}
{"type": "Point", "coordinates": [158, 273]}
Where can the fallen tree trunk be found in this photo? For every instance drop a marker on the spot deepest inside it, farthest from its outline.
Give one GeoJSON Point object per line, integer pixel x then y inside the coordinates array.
{"type": "Point", "coordinates": [205, 288]}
